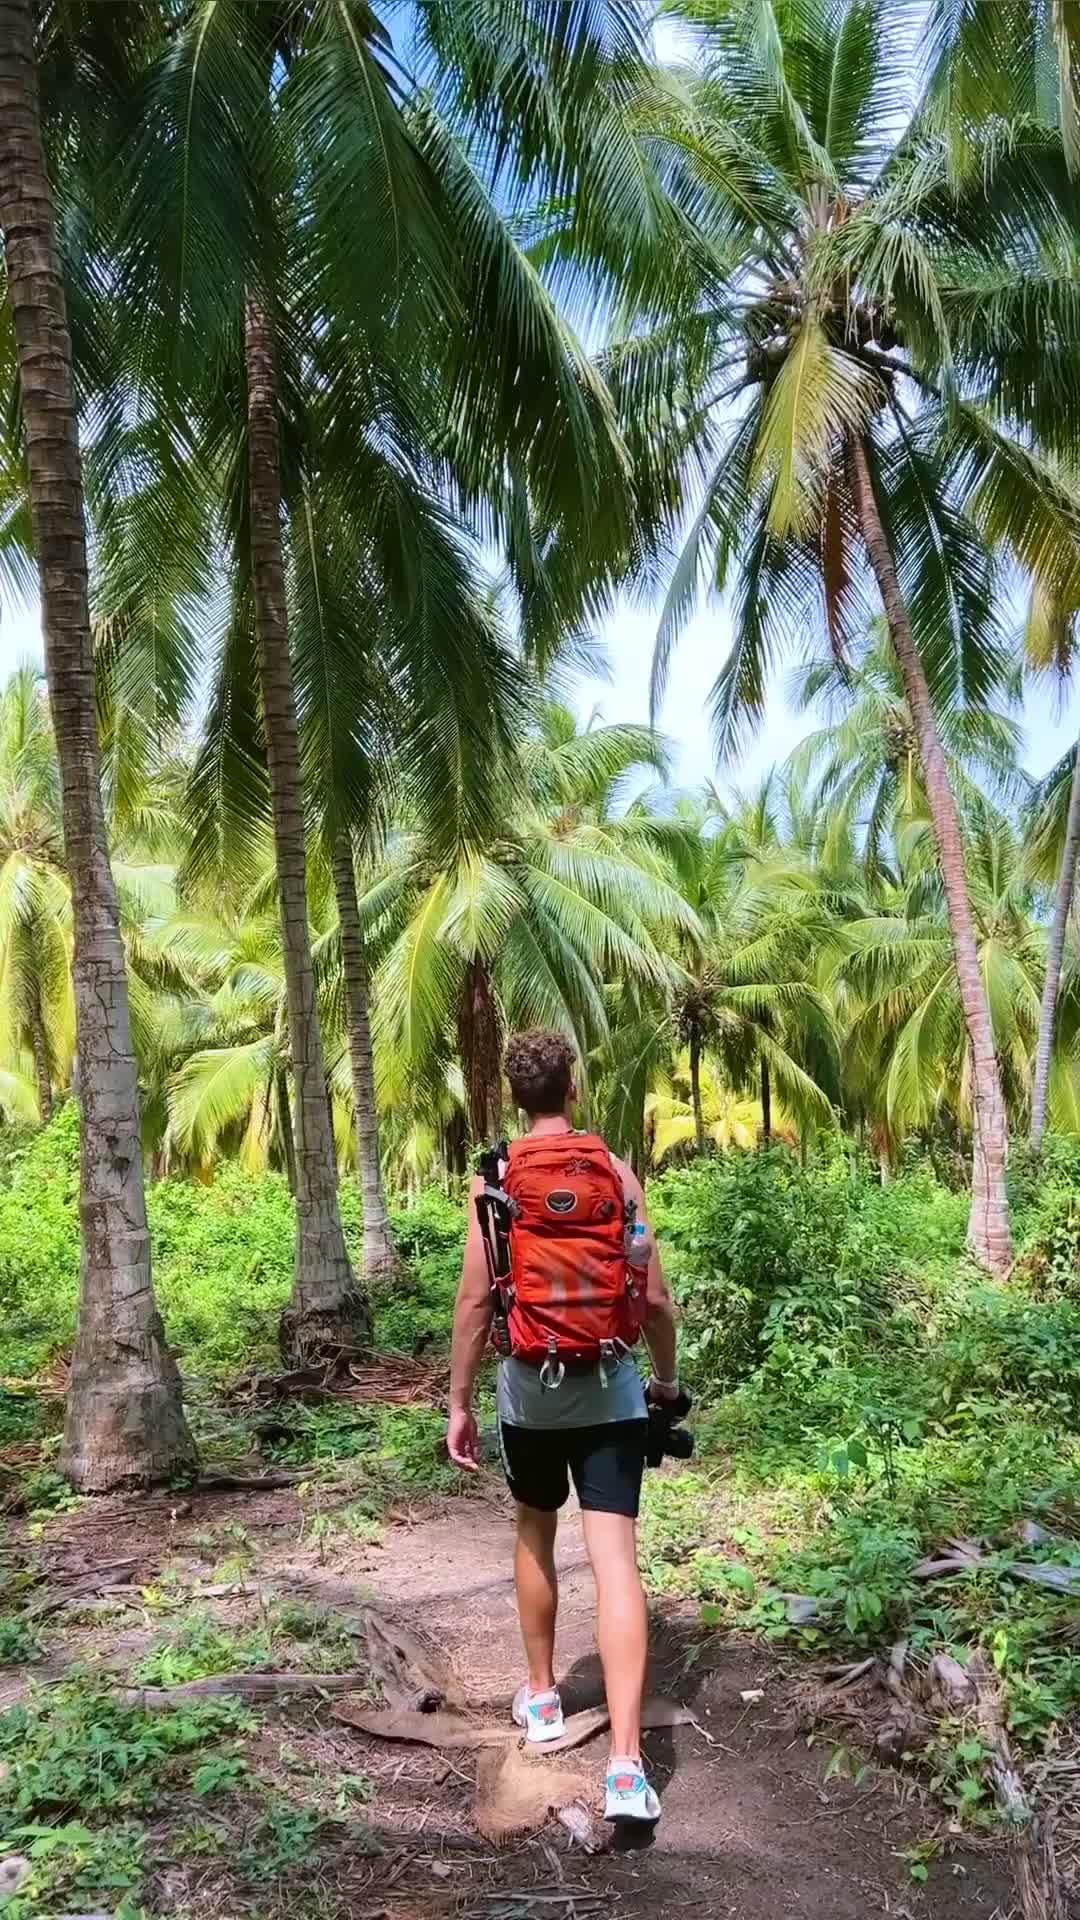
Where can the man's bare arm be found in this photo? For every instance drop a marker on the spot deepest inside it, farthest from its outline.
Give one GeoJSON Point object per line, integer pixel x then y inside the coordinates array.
{"type": "Point", "coordinates": [659, 1307]}
{"type": "Point", "coordinates": [472, 1313]}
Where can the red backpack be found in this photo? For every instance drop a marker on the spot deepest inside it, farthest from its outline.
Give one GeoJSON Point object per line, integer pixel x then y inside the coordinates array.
{"type": "Point", "coordinates": [572, 1291]}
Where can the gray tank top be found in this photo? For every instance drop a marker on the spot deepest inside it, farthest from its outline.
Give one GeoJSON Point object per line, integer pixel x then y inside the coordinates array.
{"type": "Point", "coordinates": [606, 1392]}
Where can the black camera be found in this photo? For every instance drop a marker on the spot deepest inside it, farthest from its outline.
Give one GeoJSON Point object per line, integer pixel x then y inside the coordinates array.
{"type": "Point", "coordinates": [666, 1436]}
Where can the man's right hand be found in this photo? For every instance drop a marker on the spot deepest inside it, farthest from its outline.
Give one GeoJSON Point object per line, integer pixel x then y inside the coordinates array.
{"type": "Point", "coordinates": [660, 1392]}
{"type": "Point", "coordinates": [463, 1439]}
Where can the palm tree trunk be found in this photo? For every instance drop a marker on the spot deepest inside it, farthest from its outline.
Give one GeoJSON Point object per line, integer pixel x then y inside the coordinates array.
{"type": "Point", "coordinates": [326, 1307]}
{"type": "Point", "coordinates": [42, 1066]}
{"type": "Point", "coordinates": [1066, 889]}
{"type": "Point", "coordinates": [481, 1051]}
{"type": "Point", "coordinates": [695, 1085]}
{"type": "Point", "coordinates": [283, 1115]}
{"type": "Point", "coordinates": [124, 1420]}
{"type": "Point", "coordinates": [988, 1227]}
{"type": "Point", "coordinates": [379, 1255]}
{"type": "Point", "coordinates": [766, 1105]}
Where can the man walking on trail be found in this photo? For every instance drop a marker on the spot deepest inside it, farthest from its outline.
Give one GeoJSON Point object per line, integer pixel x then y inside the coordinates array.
{"type": "Point", "coordinates": [584, 1279]}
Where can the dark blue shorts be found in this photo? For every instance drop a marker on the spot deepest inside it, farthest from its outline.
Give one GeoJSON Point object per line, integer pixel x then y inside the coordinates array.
{"type": "Point", "coordinates": [605, 1463]}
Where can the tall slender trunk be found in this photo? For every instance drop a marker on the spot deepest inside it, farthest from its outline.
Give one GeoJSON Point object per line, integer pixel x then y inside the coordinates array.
{"type": "Point", "coordinates": [380, 1255]}
{"type": "Point", "coordinates": [125, 1421]}
{"type": "Point", "coordinates": [283, 1115]}
{"type": "Point", "coordinates": [42, 1064]}
{"type": "Point", "coordinates": [481, 1051]}
{"type": "Point", "coordinates": [1066, 888]}
{"type": "Point", "coordinates": [326, 1307]}
{"type": "Point", "coordinates": [988, 1227]}
{"type": "Point", "coordinates": [766, 1105]}
{"type": "Point", "coordinates": [695, 1084]}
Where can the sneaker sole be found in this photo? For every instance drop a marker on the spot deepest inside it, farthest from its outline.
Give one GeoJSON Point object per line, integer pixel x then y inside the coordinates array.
{"type": "Point", "coordinates": [544, 1736]}
{"type": "Point", "coordinates": [543, 1739]}
{"type": "Point", "coordinates": [623, 1818]}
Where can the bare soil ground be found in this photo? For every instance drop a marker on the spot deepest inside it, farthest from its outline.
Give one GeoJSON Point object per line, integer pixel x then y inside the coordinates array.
{"type": "Point", "coordinates": [750, 1828]}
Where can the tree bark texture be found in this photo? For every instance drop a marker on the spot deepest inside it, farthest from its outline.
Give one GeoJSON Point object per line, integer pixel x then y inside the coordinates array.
{"type": "Point", "coordinates": [480, 1040]}
{"type": "Point", "coordinates": [695, 1085]}
{"type": "Point", "coordinates": [39, 1041]}
{"type": "Point", "coordinates": [283, 1117]}
{"type": "Point", "coordinates": [325, 1306]}
{"type": "Point", "coordinates": [1066, 889]}
{"type": "Point", "coordinates": [380, 1255]}
{"type": "Point", "coordinates": [988, 1228]}
{"type": "Point", "coordinates": [124, 1422]}
{"type": "Point", "coordinates": [766, 1104]}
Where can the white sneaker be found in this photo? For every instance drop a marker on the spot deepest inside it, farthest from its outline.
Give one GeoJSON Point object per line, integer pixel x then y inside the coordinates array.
{"type": "Point", "coordinates": [540, 1714]}
{"type": "Point", "coordinates": [628, 1795]}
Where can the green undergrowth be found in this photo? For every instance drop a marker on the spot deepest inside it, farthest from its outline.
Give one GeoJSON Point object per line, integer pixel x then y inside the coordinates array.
{"type": "Point", "coordinates": [100, 1799]}
{"type": "Point", "coordinates": [223, 1258]}
{"type": "Point", "coordinates": [864, 1398]}
{"type": "Point", "coordinates": [82, 1771]}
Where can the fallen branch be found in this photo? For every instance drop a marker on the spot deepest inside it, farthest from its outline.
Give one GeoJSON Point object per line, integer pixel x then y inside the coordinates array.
{"type": "Point", "coordinates": [248, 1482]}
{"type": "Point", "coordinates": [894, 1677]}
{"type": "Point", "coordinates": [411, 1677]}
{"type": "Point", "coordinates": [250, 1686]}
{"type": "Point", "coordinates": [840, 1678]}
{"type": "Point", "coordinates": [1007, 1784]}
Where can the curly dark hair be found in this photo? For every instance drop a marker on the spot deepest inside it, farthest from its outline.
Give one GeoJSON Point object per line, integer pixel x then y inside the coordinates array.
{"type": "Point", "coordinates": [540, 1067]}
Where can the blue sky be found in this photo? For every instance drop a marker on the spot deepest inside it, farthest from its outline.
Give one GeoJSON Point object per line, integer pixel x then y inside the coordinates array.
{"type": "Point", "coordinates": [628, 637]}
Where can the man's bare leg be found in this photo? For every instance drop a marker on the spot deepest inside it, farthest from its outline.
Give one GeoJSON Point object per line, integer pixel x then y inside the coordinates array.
{"type": "Point", "coordinates": [622, 1624]}
{"type": "Point", "coordinates": [537, 1593]}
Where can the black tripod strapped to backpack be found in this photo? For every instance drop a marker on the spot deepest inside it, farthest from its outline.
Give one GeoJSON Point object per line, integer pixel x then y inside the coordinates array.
{"type": "Point", "coordinates": [495, 1212]}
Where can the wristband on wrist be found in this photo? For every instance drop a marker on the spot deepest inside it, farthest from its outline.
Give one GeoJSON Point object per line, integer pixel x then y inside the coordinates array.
{"type": "Point", "coordinates": [666, 1384]}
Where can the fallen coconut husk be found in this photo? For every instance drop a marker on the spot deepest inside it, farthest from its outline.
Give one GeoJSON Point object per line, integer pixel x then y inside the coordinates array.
{"type": "Point", "coordinates": [515, 1795]}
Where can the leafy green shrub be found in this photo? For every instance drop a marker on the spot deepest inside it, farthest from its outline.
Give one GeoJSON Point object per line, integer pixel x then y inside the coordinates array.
{"type": "Point", "coordinates": [1005, 1342]}
{"type": "Point", "coordinates": [201, 1648]}
{"type": "Point", "coordinates": [415, 1308]}
{"type": "Point", "coordinates": [19, 1641]}
{"type": "Point", "coordinates": [72, 1867]}
{"type": "Point", "coordinates": [39, 1245]}
{"type": "Point", "coordinates": [79, 1749]}
{"type": "Point", "coordinates": [223, 1256]}
{"type": "Point", "coordinates": [755, 1248]}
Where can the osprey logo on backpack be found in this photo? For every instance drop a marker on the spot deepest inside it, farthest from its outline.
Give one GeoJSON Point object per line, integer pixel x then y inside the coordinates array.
{"type": "Point", "coordinates": [561, 1201]}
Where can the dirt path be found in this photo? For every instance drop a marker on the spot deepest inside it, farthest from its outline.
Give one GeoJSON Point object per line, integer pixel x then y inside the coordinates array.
{"type": "Point", "coordinates": [749, 1827]}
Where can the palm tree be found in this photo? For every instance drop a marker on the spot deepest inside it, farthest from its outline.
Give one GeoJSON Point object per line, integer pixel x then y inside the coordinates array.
{"type": "Point", "coordinates": [36, 1009]}
{"type": "Point", "coordinates": [363, 350]}
{"type": "Point", "coordinates": [1002, 58]}
{"type": "Point", "coordinates": [568, 895]}
{"type": "Point", "coordinates": [1053, 837]}
{"type": "Point", "coordinates": [907, 1044]}
{"type": "Point", "coordinates": [720, 1116]}
{"type": "Point", "coordinates": [124, 1420]}
{"type": "Point", "coordinates": [863, 764]}
{"type": "Point", "coordinates": [742, 1012]}
{"type": "Point", "coordinates": [830, 289]}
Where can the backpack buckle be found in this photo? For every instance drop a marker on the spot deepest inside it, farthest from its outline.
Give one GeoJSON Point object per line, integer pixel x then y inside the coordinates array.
{"type": "Point", "coordinates": [553, 1372]}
